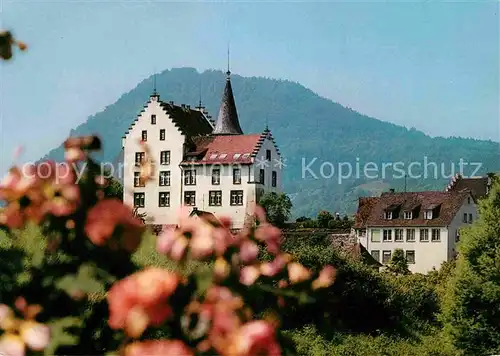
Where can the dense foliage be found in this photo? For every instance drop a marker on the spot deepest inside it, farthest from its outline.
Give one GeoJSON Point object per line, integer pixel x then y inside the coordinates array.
{"type": "Point", "coordinates": [307, 127]}
{"type": "Point", "coordinates": [277, 207]}
{"type": "Point", "coordinates": [472, 303]}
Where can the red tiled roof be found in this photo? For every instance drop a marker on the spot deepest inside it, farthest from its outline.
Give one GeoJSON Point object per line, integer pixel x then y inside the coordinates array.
{"type": "Point", "coordinates": [447, 204]}
{"type": "Point", "coordinates": [224, 149]}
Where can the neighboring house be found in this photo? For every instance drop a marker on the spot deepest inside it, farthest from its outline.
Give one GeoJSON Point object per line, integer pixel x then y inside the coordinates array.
{"type": "Point", "coordinates": [425, 225]}
{"type": "Point", "coordinates": [479, 186]}
{"type": "Point", "coordinates": [217, 169]}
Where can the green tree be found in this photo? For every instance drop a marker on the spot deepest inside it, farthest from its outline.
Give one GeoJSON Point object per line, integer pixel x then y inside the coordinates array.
{"type": "Point", "coordinates": [324, 217]}
{"type": "Point", "coordinates": [471, 309]}
{"type": "Point", "coordinates": [277, 207]}
{"type": "Point", "coordinates": [398, 264]}
{"type": "Point", "coordinates": [114, 189]}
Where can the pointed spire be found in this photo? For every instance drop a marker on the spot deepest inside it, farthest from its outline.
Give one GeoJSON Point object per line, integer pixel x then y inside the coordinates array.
{"type": "Point", "coordinates": [227, 122]}
{"type": "Point", "coordinates": [154, 84]}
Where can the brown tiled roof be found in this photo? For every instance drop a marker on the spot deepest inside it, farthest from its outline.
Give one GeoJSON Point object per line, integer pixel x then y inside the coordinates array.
{"type": "Point", "coordinates": [446, 204]}
{"type": "Point", "coordinates": [477, 185]}
{"type": "Point", "coordinates": [365, 205]}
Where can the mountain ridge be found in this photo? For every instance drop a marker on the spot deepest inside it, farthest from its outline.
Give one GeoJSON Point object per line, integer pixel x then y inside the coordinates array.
{"type": "Point", "coordinates": [305, 125]}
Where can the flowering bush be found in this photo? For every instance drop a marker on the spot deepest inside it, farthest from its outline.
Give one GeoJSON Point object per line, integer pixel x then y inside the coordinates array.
{"type": "Point", "coordinates": [235, 309]}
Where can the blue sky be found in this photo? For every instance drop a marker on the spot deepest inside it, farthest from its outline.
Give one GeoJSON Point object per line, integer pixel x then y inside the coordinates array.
{"type": "Point", "coordinates": [430, 65]}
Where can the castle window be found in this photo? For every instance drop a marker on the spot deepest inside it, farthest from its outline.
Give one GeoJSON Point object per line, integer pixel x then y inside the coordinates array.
{"type": "Point", "coordinates": [190, 177]}
{"type": "Point", "coordinates": [465, 218]}
{"type": "Point", "coordinates": [164, 199]}
{"type": "Point", "coordinates": [139, 158]}
{"type": "Point", "coordinates": [139, 200]}
{"type": "Point", "coordinates": [236, 197]}
{"type": "Point", "coordinates": [274, 179]}
{"type": "Point", "coordinates": [190, 198]}
{"type": "Point", "coordinates": [268, 155]}
{"type": "Point", "coordinates": [153, 119]}
{"type": "Point", "coordinates": [468, 200]}
{"type": "Point", "coordinates": [376, 255]}
{"type": "Point", "coordinates": [470, 218]}
{"type": "Point", "coordinates": [262, 176]}
{"type": "Point", "coordinates": [388, 215]}
{"type": "Point", "coordinates": [164, 178]}
{"type": "Point", "coordinates": [236, 176]}
{"type": "Point", "coordinates": [144, 135]}
{"type": "Point", "coordinates": [408, 215]}
{"type": "Point", "coordinates": [162, 135]}
{"type": "Point", "coordinates": [216, 177]}
{"type": "Point", "coordinates": [428, 214]}
{"type": "Point", "coordinates": [137, 180]}
{"type": "Point", "coordinates": [215, 198]}
{"type": "Point", "coordinates": [165, 157]}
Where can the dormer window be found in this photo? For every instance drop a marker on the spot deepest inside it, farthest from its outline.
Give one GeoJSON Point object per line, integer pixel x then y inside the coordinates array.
{"type": "Point", "coordinates": [428, 214]}
{"type": "Point", "coordinates": [408, 215]}
{"type": "Point", "coordinates": [388, 215]}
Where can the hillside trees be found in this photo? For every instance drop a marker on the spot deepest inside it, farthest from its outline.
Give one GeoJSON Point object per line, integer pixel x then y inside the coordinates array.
{"type": "Point", "coordinates": [471, 309]}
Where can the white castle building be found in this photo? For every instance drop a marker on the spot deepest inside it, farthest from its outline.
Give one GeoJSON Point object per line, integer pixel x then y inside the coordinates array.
{"type": "Point", "coordinates": [218, 169]}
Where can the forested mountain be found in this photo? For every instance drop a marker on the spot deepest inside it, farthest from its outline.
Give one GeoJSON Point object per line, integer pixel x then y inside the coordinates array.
{"type": "Point", "coordinates": [307, 127]}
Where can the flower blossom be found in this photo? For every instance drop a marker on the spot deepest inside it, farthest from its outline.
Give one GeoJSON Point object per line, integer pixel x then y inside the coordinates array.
{"type": "Point", "coordinates": [33, 193]}
{"type": "Point", "coordinates": [158, 348]}
{"type": "Point", "coordinates": [201, 238]}
{"type": "Point", "coordinates": [76, 147]}
{"type": "Point", "coordinates": [105, 217]}
{"type": "Point", "coordinates": [326, 278]}
{"type": "Point", "coordinates": [19, 333]}
{"type": "Point", "coordinates": [253, 338]}
{"type": "Point", "coordinates": [141, 300]}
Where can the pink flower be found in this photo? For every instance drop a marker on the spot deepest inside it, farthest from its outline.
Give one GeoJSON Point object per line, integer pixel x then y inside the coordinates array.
{"type": "Point", "coordinates": [298, 273]}
{"type": "Point", "coordinates": [270, 269]}
{"type": "Point", "coordinates": [105, 217]}
{"type": "Point", "coordinates": [271, 235]}
{"type": "Point", "coordinates": [35, 335]}
{"type": "Point", "coordinates": [200, 238]}
{"type": "Point", "coordinates": [141, 299]}
{"type": "Point", "coordinates": [254, 338]}
{"type": "Point", "coordinates": [326, 278]}
{"type": "Point", "coordinates": [158, 348]}
{"type": "Point", "coordinates": [248, 252]}
{"type": "Point", "coordinates": [249, 274]}
{"type": "Point", "coordinates": [11, 345]}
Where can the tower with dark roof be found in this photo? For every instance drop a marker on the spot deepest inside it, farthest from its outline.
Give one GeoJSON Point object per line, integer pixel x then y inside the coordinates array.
{"type": "Point", "coordinates": [227, 121]}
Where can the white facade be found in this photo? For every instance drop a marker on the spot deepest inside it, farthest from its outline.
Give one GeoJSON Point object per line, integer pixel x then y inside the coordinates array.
{"type": "Point", "coordinates": [152, 198]}
{"type": "Point", "coordinates": [425, 247]}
